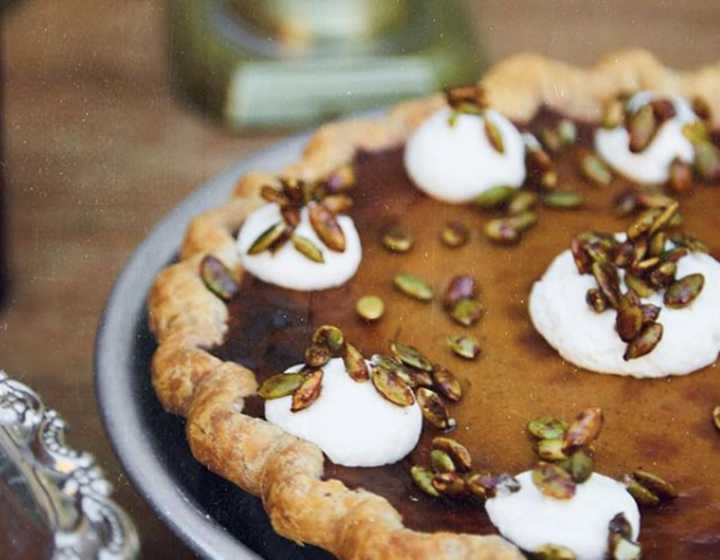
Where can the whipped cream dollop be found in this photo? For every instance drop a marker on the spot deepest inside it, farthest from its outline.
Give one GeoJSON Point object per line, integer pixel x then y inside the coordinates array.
{"type": "Point", "coordinates": [350, 421]}
{"type": "Point", "coordinates": [456, 162]}
{"type": "Point", "coordinates": [653, 163]}
{"type": "Point", "coordinates": [691, 335]}
{"type": "Point", "coordinates": [287, 267]}
{"type": "Point", "coordinates": [530, 519]}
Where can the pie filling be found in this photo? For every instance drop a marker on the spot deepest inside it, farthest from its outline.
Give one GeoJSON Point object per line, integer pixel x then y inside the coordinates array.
{"type": "Point", "coordinates": [661, 425]}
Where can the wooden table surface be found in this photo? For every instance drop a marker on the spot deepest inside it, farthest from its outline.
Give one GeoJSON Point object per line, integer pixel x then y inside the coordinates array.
{"type": "Point", "coordinates": [98, 149]}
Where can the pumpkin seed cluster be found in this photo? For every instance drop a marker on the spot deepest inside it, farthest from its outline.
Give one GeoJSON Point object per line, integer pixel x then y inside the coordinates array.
{"type": "Point", "coordinates": [643, 124]}
{"type": "Point", "coordinates": [324, 201]}
{"type": "Point", "coordinates": [450, 474]}
{"type": "Point", "coordinates": [649, 267]}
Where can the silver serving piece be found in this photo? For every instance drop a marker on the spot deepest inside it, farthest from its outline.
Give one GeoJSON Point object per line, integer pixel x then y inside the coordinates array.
{"type": "Point", "coordinates": [58, 493]}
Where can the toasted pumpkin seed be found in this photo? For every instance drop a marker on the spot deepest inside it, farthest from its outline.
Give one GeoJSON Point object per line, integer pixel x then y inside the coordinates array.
{"type": "Point", "coordinates": [422, 477]}
{"type": "Point", "coordinates": [551, 449]}
{"type": "Point", "coordinates": [583, 262]}
{"type": "Point", "coordinates": [643, 223]}
{"type": "Point", "coordinates": [579, 466]}
{"type": "Point", "coordinates": [330, 336]}
{"type": "Point", "coordinates": [665, 217]}
{"type": "Point", "coordinates": [494, 197]}
{"type": "Point", "coordinates": [460, 287]}
{"type": "Point", "coordinates": [638, 285]}
{"type": "Point", "coordinates": [454, 234]}
{"type": "Point", "coordinates": [355, 364]}
{"type": "Point", "coordinates": [619, 525]}
{"type": "Point", "coordinates": [390, 386]}
{"type": "Point", "coordinates": [650, 313]}
{"type": "Point", "coordinates": [628, 321]}
{"type": "Point", "coordinates": [663, 275]}
{"type": "Point", "coordinates": [433, 408]}
{"type": "Point", "coordinates": [446, 382]}
{"type": "Point", "coordinates": [716, 416]}
{"type": "Point", "coordinates": [411, 356]}
{"type": "Point", "coordinates": [370, 308]}
{"type": "Point", "coordinates": [291, 217]}
{"type": "Point", "coordinates": [656, 245]}
{"type": "Point", "coordinates": [642, 495]}
{"type": "Point", "coordinates": [317, 355]}
{"type": "Point", "coordinates": [326, 227]}
{"type": "Point", "coordinates": [642, 126]}
{"type": "Point", "coordinates": [441, 461]}
{"type": "Point", "coordinates": [563, 199]}
{"type": "Point", "coordinates": [553, 481]}
{"type": "Point", "coordinates": [218, 278]}
{"type": "Point", "coordinates": [607, 278]}
{"type": "Point", "coordinates": [553, 552]}
{"type": "Point", "coordinates": [465, 346]}
{"type": "Point", "coordinates": [494, 135]}
{"type": "Point", "coordinates": [596, 300]}
{"type": "Point", "coordinates": [413, 286]}
{"type": "Point", "coordinates": [458, 453]}
{"type": "Point", "coordinates": [271, 194]}
{"type": "Point", "coordinates": [683, 292]}
{"type": "Point", "coordinates": [584, 430]}
{"type": "Point", "coordinates": [280, 385]}
{"type": "Point", "coordinates": [397, 240]}
{"type": "Point", "coordinates": [594, 169]}
{"type": "Point", "coordinates": [308, 392]}
{"type": "Point", "coordinates": [307, 248]}
{"type": "Point", "coordinates": [522, 221]}
{"type": "Point", "coordinates": [657, 485]}
{"type": "Point", "coordinates": [680, 178]}
{"type": "Point", "coordinates": [645, 342]}
{"type": "Point", "coordinates": [474, 485]}
{"type": "Point", "coordinates": [547, 428]}
{"type": "Point", "coordinates": [501, 231]}
{"type": "Point", "coordinates": [467, 312]}
{"type": "Point", "coordinates": [267, 238]}
{"type": "Point", "coordinates": [522, 201]}
{"type": "Point", "coordinates": [448, 483]}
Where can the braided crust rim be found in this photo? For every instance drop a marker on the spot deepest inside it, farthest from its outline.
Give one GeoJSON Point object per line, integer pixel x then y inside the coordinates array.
{"type": "Point", "coordinates": [186, 318]}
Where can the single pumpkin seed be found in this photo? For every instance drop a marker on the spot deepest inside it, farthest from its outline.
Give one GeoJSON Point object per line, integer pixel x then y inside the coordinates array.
{"type": "Point", "coordinates": [307, 248]}
{"type": "Point", "coordinates": [500, 231]}
{"type": "Point", "coordinates": [665, 217]}
{"type": "Point", "coordinates": [584, 430]}
{"type": "Point", "coordinates": [596, 300]}
{"type": "Point", "coordinates": [643, 223]}
{"type": "Point", "coordinates": [551, 449]}
{"type": "Point", "coordinates": [445, 381]}
{"type": "Point", "coordinates": [218, 278]}
{"type": "Point", "coordinates": [583, 262]}
{"type": "Point", "coordinates": [656, 245]}
{"type": "Point", "coordinates": [614, 114]}
{"type": "Point", "coordinates": [607, 278]}
{"type": "Point", "coordinates": [645, 342]}
{"type": "Point", "coordinates": [680, 178]}
{"type": "Point", "coordinates": [684, 291]}
{"type": "Point", "coordinates": [716, 416]}
{"type": "Point", "coordinates": [441, 461]}
{"type": "Point", "coordinates": [271, 194]}
{"type": "Point", "coordinates": [397, 240]}
{"type": "Point", "coordinates": [280, 385]}
{"type": "Point", "coordinates": [413, 286]}
{"type": "Point", "coordinates": [448, 483]}
{"type": "Point", "coordinates": [553, 552]}
{"type": "Point", "coordinates": [579, 466]}
{"type": "Point", "coordinates": [308, 392]}
{"type": "Point", "coordinates": [421, 378]}
{"type": "Point", "coordinates": [619, 525]}
{"type": "Point", "coordinates": [551, 140]}
{"type": "Point", "coordinates": [494, 197]}
{"type": "Point", "coordinates": [663, 275]}
{"type": "Point", "coordinates": [326, 227]}
{"type": "Point", "coordinates": [592, 168]}
{"type": "Point", "coordinates": [330, 336]}
{"type": "Point", "coordinates": [433, 408]}
{"type": "Point", "coordinates": [341, 180]}
{"type": "Point", "coordinates": [628, 321]}
{"type": "Point", "coordinates": [657, 485]}
{"type": "Point", "coordinates": [465, 346]}
{"type": "Point", "coordinates": [547, 428]}
{"type": "Point", "coordinates": [522, 221]}
{"type": "Point", "coordinates": [390, 386]}
{"type": "Point", "coordinates": [563, 200]}
{"type": "Point", "coordinates": [537, 160]}
{"type": "Point", "coordinates": [458, 453]}
{"type": "Point", "coordinates": [355, 364]}
{"type": "Point", "coordinates": [317, 355]}
{"type": "Point", "coordinates": [553, 481]}
{"type": "Point", "coordinates": [454, 234]}
{"type": "Point", "coordinates": [370, 308]}
{"type": "Point", "coordinates": [267, 238]}
{"type": "Point", "coordinates": [494, 135]}
{"type": "Point", "coordinates": [422, 477]}
{"type": "Point", "coordinates": [707, 161]}
{"type": "Point", "coordinates": [642, 495]}
{"type": "Point", "coordinates": [522, 201]}
{"type": "Point", "coordinates": [642, 126]}
{"type": "Point", "coordinates": [567, 131]}
{"type": "Point", "coordinates": [643, 266]}
{"type": "Point", "coordinates": [460, 287]}
{"type": "Point", "coordinates": [638, 285]}
{"type": "Point", "coordinates": [411, 356]}
{"type": "Point", "coordinates": [467, 312]}
{"type": "Point", "coordinates": [474, 485]}
{"type": "Point", "coordinates": [650, 313]}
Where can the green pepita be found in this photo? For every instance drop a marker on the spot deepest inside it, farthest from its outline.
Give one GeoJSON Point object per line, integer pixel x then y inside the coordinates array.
{"type": "Point", "coordinates": [458, 453]}
{"type": "Point", "coordinates": [645, 342]}
{"type": "Point", "coordinates": [317, 355]}
{"type": "Point", "coordinates": [494, 135]}
{"type": "Point", "coordinates": [330, 336]}
{"type": "Point", "coordinates": [441, 461]}
{"type": "Point", "coordinates": [433, 408]}
{"type": "Point", "coordinates": [584, 430]}
{"type": "Point", "coordinates": [657, 485]}
{"type": "Point", "coordinates": [594, 169]}
{"type": "Point", "coordinates": [579, 466]}
{"type": "Point", "coordinates": [390, 386]}
{"type": "Point", "coordinates": [397, 240]}
{"type": "Point", "coordinates": [413, 286]}
{"type": "Point", "coordinates": [411, 356]}
{"type": "Point", "coordinates": [563, 199]}
{"type": "Point", "coordinates": [448, 483]}
{"type": "Point", "coordinates": [683, 292]}
{"type": "Point", "coordinates": [308, 392]}
{"type": "Point", "coordinates": [465, 346]}
{"type": "Point", "coordinates": [551, 449]}
{"type": "Point", "coordinates": [307, 248]}
{"type": "Point", "coordinates": [326, 227]}
{"type": "Point", "coordinates": [553, 481]}
{"type": "Point", "coordinates": [218, 278]}
{"type": "Point", "coordinates": [642, 495]}
{"type": "Point", "coordinates": [355, 364]}
{"type": "Point", "coordinates": [547, 428]}
{"type": "Point", "coordinates": [370, 308]}
{"type": "Point", "coordinates": [467, 312]}
{"type": "Point", "coordinates": [267, 238]}
{"type": "Point", "coordinates": [454, 234]}
{"type": "Point", "coordinates": [280, 385]}
{"type": "Point", "coordinates": [494, 197]}
{"type": "Point", "coordinates": [446, 382]}
{"type": "Point", "coordinates": [423, 477]}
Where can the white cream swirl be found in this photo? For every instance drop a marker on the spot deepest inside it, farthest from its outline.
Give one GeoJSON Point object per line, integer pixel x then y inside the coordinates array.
{"type": "Point", "coordinates": [350, 421]}
{"type": "Point", "coordinates": [691, 335]}
{"type": "Point", "coordinates": [530, 519]}
{"type": "Point", "coordinates": [456, 163]}
{"type": "Point", "coordinates": [287, 267]}
{"type": "Point", "coordinates": [653, 163]}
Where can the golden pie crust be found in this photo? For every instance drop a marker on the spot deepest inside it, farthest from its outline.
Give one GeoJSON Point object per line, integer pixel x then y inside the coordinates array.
{"type": "Point", "coordinates": [186, 318]}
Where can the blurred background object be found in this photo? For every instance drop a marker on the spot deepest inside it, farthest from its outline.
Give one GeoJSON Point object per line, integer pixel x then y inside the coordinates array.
{"type": "Point", "coordinates": [291, 62]}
